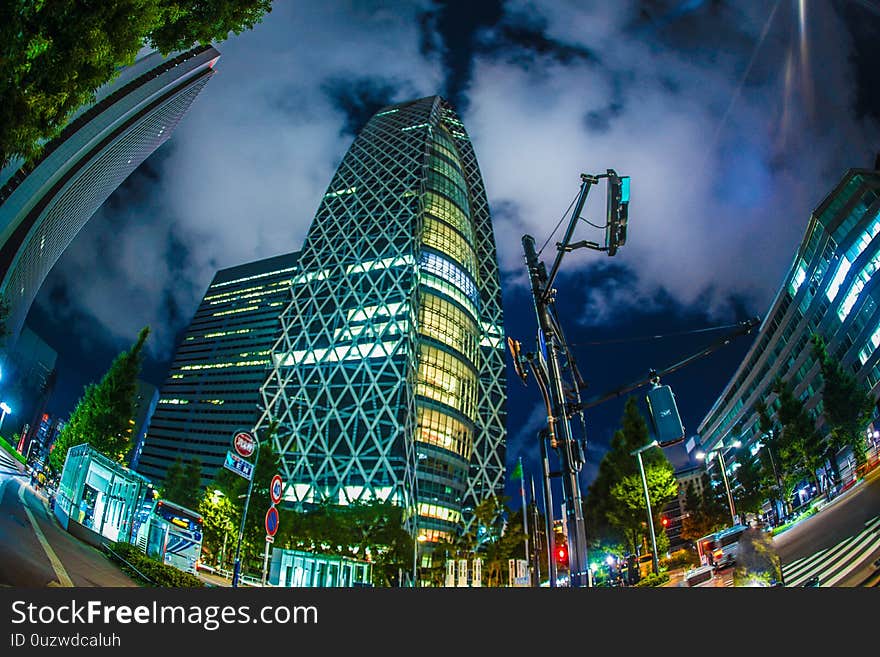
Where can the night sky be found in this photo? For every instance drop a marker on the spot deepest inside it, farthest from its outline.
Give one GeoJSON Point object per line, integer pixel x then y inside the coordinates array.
{"type": "Point", "coordinates": [733, 123]}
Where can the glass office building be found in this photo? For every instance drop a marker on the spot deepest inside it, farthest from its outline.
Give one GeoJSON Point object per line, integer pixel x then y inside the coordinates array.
{"type": "Point", "coordinates": [45, 202]}
{"type": "Point", "coordinates": [389, 377]}
{"type": "Point", "coordinates": [831, 289]}
{"type": "Point", "coordinates": [213, 387]}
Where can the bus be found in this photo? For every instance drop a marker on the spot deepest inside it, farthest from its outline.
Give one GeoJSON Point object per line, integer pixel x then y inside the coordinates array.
{"type": "Point", "coordinates": [718, 549]}
{"type": "Point", "coordinates": [172, 534]}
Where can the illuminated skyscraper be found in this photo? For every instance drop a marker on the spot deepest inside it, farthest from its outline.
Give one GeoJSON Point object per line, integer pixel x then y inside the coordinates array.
{"type": "Point", "coordinates": [213, 386]}
{"type": "Point", "coordinates": [389, 377]}
{"type": "Point", "coordinates": [44, 203]}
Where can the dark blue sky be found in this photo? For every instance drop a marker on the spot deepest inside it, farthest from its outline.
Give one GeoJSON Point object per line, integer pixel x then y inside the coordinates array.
{"type": "Point", "coordinates": [733, 124]}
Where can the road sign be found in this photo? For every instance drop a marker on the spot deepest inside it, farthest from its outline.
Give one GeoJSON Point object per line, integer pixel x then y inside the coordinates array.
{"type": "Point", "coordinates": [270, 539]}
{"type": "Point", "coordinates": [244, 443]}
{"type": "Point", "coordinates": [275, 489]}
{"type": "Point", "coordinates": [271, 521]}
{"type": "Point", "coordinates": [238, 465]}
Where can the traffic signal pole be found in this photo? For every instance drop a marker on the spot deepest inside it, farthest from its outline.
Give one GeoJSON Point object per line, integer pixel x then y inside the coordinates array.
{"type": "Point", "coordinates": [553, 348]}
{"type": "Point", "coordinates": [558, 417]}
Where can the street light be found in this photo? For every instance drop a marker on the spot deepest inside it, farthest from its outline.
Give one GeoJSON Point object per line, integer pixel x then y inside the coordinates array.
{"type": "Point", "coordinates": [421, 538]}
{"type": "Point", "coordinates": [720, 453]}
{"type": "Point", "coordinates": [638, 454]}
{"type": "Point", "coordinates": [5, 408]}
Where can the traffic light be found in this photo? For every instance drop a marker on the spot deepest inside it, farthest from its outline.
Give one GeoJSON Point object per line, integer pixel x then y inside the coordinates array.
{"type": "Point", "coordinates": [562, 555]}
{"type": "Point", "coordinates": [618, 210]}
{"type": "Point", "coordinates": [664, 416]}
{"type": "Point", "coordinates": [664, 521]}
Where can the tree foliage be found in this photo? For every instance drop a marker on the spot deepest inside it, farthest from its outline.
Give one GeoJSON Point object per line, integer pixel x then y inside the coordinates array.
{"type": "Point", "coordinates": [847, 406]}
{"type": "Point", "coordinates": [611, 510]}
{"type": "Point", "coordinates": [183, 483]}
{"type": "Point", "coordinates": [55, 55]}
{"type": "Point", "coordinates": [705, 509]}
{"type": "Point", "coordinates": [800, 444]}
{"type": "Point", "coordinates": [104, 416]}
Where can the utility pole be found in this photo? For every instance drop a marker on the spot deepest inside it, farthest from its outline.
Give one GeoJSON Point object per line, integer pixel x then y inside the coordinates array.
{"type": "Point", "coordinates": [553, 348]}
{"type": "Point", "coordinates": [638, 455]}
{"type": "Point", "coordinates": [570, 453]}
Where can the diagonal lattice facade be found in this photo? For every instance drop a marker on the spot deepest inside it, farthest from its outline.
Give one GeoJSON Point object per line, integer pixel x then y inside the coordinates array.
{"type": "Point", "coordinates": [389, 375]}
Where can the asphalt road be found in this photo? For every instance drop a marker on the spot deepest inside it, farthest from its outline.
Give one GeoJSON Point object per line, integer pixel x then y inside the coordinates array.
{"type": "Point", "coordinates": [841, 542]}
{"type": "Point", "coordinates": [34, 550]}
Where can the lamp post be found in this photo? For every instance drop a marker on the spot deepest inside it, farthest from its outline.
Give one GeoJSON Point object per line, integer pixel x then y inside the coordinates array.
{"type": "Point", "coordinates": [720, 454]}
{"type": "Point", "coordinates": [421, 538]}
{"type": "Point", "coordinates": [638, 454]}
{"type": "Point", "coordinates": [5, 408]}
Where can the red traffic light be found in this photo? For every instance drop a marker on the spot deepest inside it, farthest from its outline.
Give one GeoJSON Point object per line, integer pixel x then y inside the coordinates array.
{"type": "Point", "coordinates": [562, 554]}
{"type": "Point", "coordinates": [665, 521]}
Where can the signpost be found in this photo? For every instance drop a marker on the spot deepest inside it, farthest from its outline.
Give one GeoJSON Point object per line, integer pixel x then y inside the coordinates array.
{"type": "Point", "coordinates": [238, 465]}
{"type": "Point", "coordinates": [275, 489]}
{"type": "Point", "coordinates": [244, 443]}
{"type": "Point", "coordinates": [271, 523]}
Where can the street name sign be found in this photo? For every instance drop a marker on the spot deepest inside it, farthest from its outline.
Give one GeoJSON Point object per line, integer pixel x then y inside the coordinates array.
{"type": "Point", "coordinates": [238, 465]}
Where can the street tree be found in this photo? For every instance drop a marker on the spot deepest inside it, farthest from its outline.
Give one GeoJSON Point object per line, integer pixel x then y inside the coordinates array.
{"type": "Point", "coordinates": [705, 510]}
{"type": "Point", "coordinates": [183, 483]}
{"type": "Point", "coordinates": [753, 485]}
{"type": "Point", "coordinates": [770, 457]}
{"type": "Point", "coordinates": [55, 55]}
{"type": "Point", "coordinates": [800, 444]}
{"type": "Point", "coordinates": [846, 406]}
{"type": "Point", "coordinates": [104, 415]}
{"type": "Point", "coordinates": [610, 516]}
{"type": "Point", "coordinates": [218, 525]}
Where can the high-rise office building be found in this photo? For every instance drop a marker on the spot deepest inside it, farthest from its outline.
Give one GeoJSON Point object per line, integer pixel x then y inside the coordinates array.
{"type": "Point", "coordinates": [389, 377]}
{"type": "Point", "coordinates": [44, 203]}
{"type": "Point", "coordinates": [831, 289]}
{"type": "Point", "coordinates": [213, 386]}
{"type": "Point", "coordinates": [146, 398]}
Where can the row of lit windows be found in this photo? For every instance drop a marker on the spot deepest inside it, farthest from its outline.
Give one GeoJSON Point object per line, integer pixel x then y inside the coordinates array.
{"type": "Point", "coordinates": [219, 334]}
{"type": "Point", "coordinates": [439, 512]}
{"type": "Point", "coordinates": [444, 268]}
{"type": "Point", "coordinates": [245, 292]}
{"type": "Point", "coordinates": [447, 323]}
{"type": "Point", "coordinates": [250, 278]}
{"type": "Point", "coordinates": [175, 401]}
{"type": "Point", "coordinates": [235, 311]}
{"type": "Point", "coordinates": [448, 380]}
{"type": "Point", "coordinates": [438, 284]}
{"type": "Point", "coordinates": [435, 536]}
{"type": "Point", "coordinates": [442, 166]}
{"type": "Point", "coordinates": [440, 236]}
{"type": "Point", "coordinates": [445, 186]}
{"type": "Point", "coordinates": [857, 286]}
{"type": "Point", "coordinates": [434, 427]}
{"type": "Point", "coordinates": [214, 366]}
{"type": "Point", "coordinates": [446, 210]}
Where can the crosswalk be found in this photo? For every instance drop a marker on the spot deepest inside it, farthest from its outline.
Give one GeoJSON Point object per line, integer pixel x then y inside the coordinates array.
{"type": "Point", "coordinates": [8, 463]}
{"type": "Point", "coordinates": [833, 564]}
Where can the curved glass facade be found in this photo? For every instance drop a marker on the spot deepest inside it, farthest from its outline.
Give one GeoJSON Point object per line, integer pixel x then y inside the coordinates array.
{"type": "Point", "coordinates": [830, 289]}
{"type": "Point", "coordinates": [389, 373]}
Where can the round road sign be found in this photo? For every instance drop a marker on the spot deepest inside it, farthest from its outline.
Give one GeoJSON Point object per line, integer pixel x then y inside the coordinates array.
{"type": "Point", "coordinates": [244, 443]}
{"type": "Point", "coordinates": [275, 489]}
{"type": "Point", "coordinates": [271, 521]}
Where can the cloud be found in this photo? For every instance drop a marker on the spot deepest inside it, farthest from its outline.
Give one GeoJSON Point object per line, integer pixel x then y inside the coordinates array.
{"type": "Point", "coordinates": [720, 199]}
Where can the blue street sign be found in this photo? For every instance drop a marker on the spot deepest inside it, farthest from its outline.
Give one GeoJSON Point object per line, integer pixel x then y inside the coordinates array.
{"type": "Point", "coordinates": [271, 521]}
{"type": "Point", "coordinates": [238, 465]}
